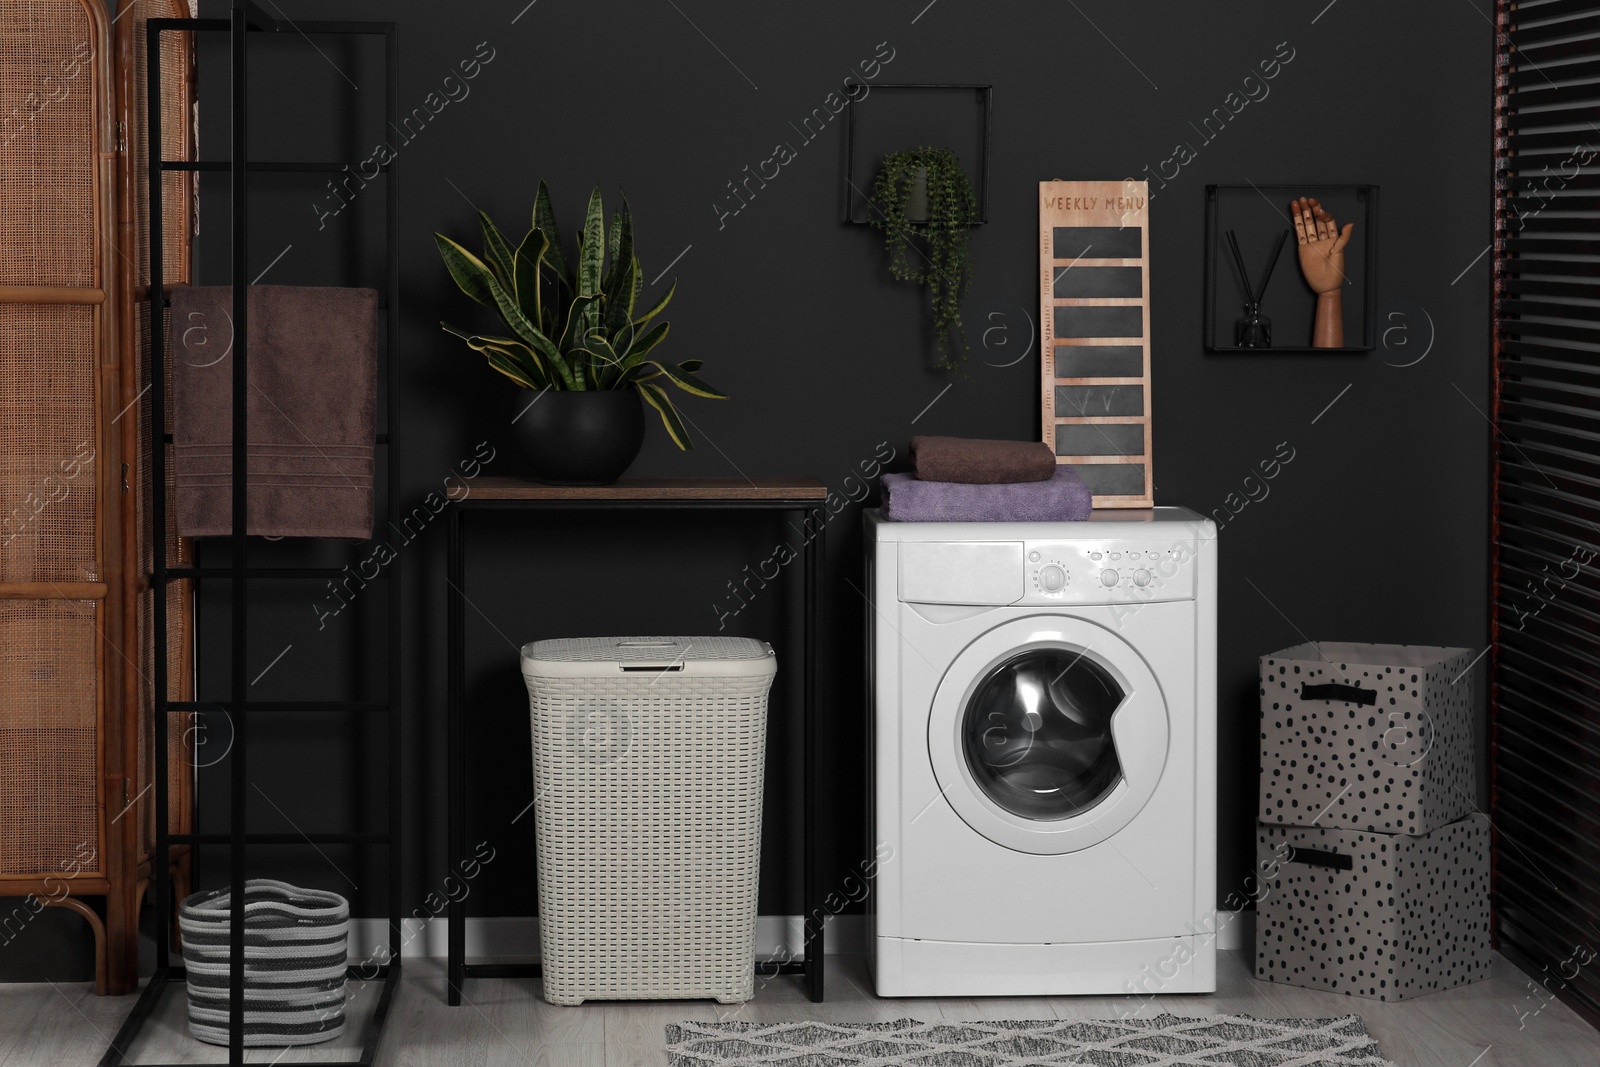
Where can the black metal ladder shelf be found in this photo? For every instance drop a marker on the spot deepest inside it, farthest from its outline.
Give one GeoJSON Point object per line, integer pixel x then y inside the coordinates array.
{"type": "Point", "coordinates": [246, 19]}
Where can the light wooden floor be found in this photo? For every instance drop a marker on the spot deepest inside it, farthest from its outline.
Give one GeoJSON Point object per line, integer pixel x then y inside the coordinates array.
{"type": "Point", "coordinates": [1497, 1023]}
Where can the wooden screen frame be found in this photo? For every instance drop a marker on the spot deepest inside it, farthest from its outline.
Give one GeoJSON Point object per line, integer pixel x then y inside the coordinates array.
{"type": "Point", "coordinates": [132, 292]}
{"type": "Point", "coordinates": [1105, 204]}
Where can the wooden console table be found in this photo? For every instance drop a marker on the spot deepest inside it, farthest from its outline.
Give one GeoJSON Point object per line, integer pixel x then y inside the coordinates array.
{"type": "Point", "coordinates": [804, 496]}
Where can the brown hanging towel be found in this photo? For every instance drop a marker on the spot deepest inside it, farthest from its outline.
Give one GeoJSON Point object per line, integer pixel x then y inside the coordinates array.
{"type": "Point", "coordinates": [313, 407]}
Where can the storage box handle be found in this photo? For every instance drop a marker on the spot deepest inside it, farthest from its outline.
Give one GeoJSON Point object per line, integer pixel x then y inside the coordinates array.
{"type": "Point", "coordinates": [1319, 857]}
{"type": "Point", "coordinates": [1350, 694]}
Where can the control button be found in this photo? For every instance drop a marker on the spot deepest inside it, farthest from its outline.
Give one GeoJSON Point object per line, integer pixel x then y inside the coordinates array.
{"type": "Point", "coordinates": [1153, 555]}
{"type": "Point", "coordinates": [1052, 578]}
{"type": "Point", "coordinates": [1109, 577]}
{"type": "Point", "coordinates": [1033, 557]}
{"type": "Point", "coordinates": [1116, 555]}
{"type": "Point", "coordinates": [1094, 555]}
{"type": "Point", "coordinates": [1141, 577]}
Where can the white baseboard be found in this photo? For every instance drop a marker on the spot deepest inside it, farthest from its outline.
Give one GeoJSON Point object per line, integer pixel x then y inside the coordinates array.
{"type": "Point", "coordinates": [777, 936]}
{"type": "Point", "coordinates": [1236, 931]}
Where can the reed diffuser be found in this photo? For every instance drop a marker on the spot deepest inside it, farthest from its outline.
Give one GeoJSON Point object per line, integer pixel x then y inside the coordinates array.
{"type": "Point", "coordinates": [1254, 330]}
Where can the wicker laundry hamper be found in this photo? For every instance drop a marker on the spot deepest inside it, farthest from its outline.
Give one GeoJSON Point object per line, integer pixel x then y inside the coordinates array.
{"type": "Point", "coordinates": [648, 760]}
{"type": "Point", "coordinates": [295, 963]}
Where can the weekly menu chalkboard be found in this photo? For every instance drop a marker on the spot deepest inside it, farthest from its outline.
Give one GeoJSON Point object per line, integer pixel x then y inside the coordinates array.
{"type": "Point", "coordinates": [1094, 318]}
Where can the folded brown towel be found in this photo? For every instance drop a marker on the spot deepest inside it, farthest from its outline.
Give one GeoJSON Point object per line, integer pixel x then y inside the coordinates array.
{"type": "Point", "coordinates": [966, 459]}
{"type": "Point", "coordinates": [313, 410]}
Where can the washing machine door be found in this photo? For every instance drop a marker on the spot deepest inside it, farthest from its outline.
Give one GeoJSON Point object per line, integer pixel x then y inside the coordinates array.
{"type": "Point", "coordinates": [1048, 734]}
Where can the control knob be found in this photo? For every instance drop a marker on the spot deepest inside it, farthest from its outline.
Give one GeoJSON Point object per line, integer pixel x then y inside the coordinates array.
{"type": "Point", "coordinates": [1109, 577]}
{"type": "Point", "coordinates": [1052, 579]}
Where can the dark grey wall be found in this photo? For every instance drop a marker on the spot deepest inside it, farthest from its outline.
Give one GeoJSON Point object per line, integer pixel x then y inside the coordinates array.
{"type": "Point", "coordinates": [1376, 531]}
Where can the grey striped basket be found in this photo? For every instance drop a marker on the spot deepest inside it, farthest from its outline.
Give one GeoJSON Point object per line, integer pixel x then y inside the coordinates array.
{"type": "Point", "coordinates": [295, 963]}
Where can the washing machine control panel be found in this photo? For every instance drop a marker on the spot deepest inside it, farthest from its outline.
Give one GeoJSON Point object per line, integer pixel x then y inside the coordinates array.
{"type": "Point", "coordinates": [1088, 572]}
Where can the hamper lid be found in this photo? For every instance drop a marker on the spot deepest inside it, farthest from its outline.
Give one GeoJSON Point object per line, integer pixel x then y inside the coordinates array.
{"type": "Point", "coordinates": [605, 657]}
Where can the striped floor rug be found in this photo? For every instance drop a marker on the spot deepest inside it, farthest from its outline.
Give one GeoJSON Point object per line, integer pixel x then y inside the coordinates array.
{"type": "Point", "coordinates": [1163, 1041]}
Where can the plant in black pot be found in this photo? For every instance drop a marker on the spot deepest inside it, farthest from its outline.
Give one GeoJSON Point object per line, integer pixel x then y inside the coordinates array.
{"type": "Point", "coordinates": [577, 340]}
{"type": "Point", "coordinates": [924, 204]}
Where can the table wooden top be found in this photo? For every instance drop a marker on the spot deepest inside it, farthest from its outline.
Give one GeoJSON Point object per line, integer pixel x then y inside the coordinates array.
{"type": "Point", "coordinates": [666, 489]}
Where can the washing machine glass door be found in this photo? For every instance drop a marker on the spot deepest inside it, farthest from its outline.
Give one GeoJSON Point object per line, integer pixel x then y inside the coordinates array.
{"type": "Point", "coordinates": [1036, 733]}
{"type": "Point", "coordinates": [1048, 734]}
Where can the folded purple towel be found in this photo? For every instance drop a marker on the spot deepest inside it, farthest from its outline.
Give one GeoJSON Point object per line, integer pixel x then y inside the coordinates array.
{"type": "Point", "coordinates": [1063, 498]}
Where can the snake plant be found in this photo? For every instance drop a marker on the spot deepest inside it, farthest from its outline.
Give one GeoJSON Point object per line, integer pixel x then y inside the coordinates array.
{"type": "Point", "coordinates": [573, 324]}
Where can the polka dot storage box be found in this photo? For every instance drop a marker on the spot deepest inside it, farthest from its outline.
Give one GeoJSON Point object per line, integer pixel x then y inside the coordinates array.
{"type": "Point", "coordinates": [648, 762]}
{"type": "Point", "coordinates": [1383, 916]}
{"type": "Point", "coordinates": [1367, 737]}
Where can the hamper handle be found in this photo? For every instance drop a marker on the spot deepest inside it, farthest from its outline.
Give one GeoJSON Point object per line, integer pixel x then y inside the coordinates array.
{"type": "Point", "coordinates": [1351, 694]}
{"type": "Point", "coordinates": [1319, 857]}
{"type": "Point", "coordinates": [651, 668]}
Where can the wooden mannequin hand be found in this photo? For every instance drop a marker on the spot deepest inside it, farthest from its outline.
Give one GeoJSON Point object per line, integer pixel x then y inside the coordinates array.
{"type": "Point", "coordinates": [1322, 246]}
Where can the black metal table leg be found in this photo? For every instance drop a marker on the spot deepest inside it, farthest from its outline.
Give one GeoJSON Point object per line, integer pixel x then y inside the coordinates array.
{"type": "Point", "coordinates": [816, 559]}
{"type": "Point", "coordinates": [456, 787]}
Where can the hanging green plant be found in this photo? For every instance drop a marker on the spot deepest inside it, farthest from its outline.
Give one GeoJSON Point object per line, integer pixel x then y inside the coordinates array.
{"type": "Point", "coordinates": [924, 204]}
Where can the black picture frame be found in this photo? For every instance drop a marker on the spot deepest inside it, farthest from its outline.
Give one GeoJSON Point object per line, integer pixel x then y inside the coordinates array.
{"type": "Point", "coordinates": [1245, 209]}
{"type": "Point", "coordinates": [856, 185]}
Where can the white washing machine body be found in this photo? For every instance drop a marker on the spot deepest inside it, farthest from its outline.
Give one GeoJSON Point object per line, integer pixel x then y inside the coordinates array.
{"type": "Point", "coordinates": [1044, 750]}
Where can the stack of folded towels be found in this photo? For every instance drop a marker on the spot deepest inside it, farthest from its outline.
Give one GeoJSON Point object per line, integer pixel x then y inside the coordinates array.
{"type": "Point", "coordinates": [958, 479]}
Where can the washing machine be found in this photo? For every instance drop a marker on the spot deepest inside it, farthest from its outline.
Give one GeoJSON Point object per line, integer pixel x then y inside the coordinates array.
{"type": "Point", "coordinates": [1044, 755]}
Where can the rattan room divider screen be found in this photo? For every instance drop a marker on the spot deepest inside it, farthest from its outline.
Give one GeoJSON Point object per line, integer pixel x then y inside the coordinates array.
{"type": "Point", "coordinates": [140, 364]}
{"type": "Point", "coordinates": [74, 817]}
{"type": "Point", "coordinates": [62, 774]}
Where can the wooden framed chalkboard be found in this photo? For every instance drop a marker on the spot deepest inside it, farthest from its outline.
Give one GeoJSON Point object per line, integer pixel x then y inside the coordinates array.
{"type": "Point", "coordinates": [1094, 323]}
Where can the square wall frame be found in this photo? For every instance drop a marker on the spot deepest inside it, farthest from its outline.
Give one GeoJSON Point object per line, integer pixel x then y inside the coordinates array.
{"type": "Point", "coordinates": [1257, 213]}
{"type": "Point", "coordinates": [866, 139]}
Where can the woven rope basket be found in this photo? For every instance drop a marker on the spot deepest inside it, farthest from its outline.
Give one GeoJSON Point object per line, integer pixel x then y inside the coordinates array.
{"type": "Point", "coordinates": [295, 963]}
{"type": "Point", "coordinates": [648, 761]}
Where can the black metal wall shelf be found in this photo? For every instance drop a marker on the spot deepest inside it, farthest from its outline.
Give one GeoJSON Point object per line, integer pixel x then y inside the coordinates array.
{"type": "Point", "coordinates": [1259, 213]}
{"type": "Point", "coordinates": [856, 185]}
{"type": "Point", "coordinates": [246, 20]}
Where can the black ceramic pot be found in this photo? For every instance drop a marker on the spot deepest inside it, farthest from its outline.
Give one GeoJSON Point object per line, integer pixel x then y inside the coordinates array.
{"type": "Point", "coordinates": [580, 438]}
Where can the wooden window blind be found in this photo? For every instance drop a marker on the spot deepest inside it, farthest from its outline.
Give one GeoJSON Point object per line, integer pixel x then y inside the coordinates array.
{"type": "Point", "coordinates": [1545, 660]}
